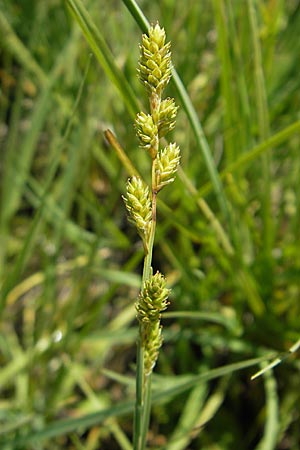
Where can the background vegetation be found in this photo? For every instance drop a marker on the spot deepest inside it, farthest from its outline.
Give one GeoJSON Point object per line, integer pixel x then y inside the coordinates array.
{"type": "Point", "coordinates": [228, 235]}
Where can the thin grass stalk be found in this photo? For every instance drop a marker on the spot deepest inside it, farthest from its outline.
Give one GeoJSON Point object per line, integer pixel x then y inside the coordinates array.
{"type": "Point", "coordinates": [103, 54]}
{"type": "Point", "coordinates": [263, 129]}
{"type": "Point", "coordinates": [245, 111]}
{"type": "Point", "coordinates": [270, 436]}
{"type": "Point", "coordinates": [11, 41]}
{"type": "Point", "coordinates": [208, 213]}
{"type": "Point", "coordinates": [121, 154]}
{"type": "Point", "coordinates": [139, 395]}
{"type": "Point", "coordinates": [247, 158]}
{"type": "Point", "coordinates": [147, 411]}
{"type": "Point", "coordinates": [226, 79]}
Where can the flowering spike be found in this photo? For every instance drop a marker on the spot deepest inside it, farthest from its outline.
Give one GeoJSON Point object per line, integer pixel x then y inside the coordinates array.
{"type": "Point", "coordinates": [167, 116]}
{"type": "Point", "coordinates": [138, 204]}
{"type": "Point", "coordinates": [147, 133]}
{"type": "Point", "coordinates": [166, 165]}
{"type": "Point", "coordinates": [151, 302]}
{"type": "Point", "coordinates": [153, 339]}
{"type": "Point", "coordinates": [153, 298]}
{"type": "Point", "coordinates": [155, 60]}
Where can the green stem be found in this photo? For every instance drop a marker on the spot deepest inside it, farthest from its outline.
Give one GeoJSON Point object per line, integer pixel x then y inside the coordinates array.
{"type": "Point", "coordinates": [148, 257]}
{"type": "Point", "coordinates": [139, 407]}
{"type": "Point", "coordinates": [143, 384]}
{"type": "Point", "coordinates": [147, 410]}
{"type": "Point", "coordinates": [264, 131]}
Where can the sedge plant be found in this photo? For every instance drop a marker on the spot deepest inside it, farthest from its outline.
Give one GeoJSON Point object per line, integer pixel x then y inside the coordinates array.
{"type": "Point", "coordinates": [154, 71]}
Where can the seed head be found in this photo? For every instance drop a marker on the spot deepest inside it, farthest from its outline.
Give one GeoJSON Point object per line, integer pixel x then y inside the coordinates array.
{"type": "Point", "coordinates": [147, 133]}
{"type": "Point", "coordinates": [166, 164]}
{"type": "Point", "coordinates": [155, 60]}
{"type": "Point", "coordinates": [167, 115]}
{"type": "Point", "coordinates": [138, 204]}
{"type": "Point", "coordinates": [151, 302]}
{"type": "Point", "coordinates": [153, 299]}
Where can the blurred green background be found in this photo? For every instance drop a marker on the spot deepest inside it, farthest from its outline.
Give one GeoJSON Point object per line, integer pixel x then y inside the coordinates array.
{"type": "Point", "coordinates": [228, 236]}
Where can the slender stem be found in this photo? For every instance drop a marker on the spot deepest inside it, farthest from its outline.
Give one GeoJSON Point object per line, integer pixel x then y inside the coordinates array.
{"type": "Point", "coordinates": [143, 383]}
{"type": "Point", "coordinates": [139, 406]}
{"type": "Point", "coordinates": [121, 153]}
{"type": "Point", "coordinates": [147, 410]}
{"type": "Point", "coordinates": [264, 131]}
{"type": "Point", "coordinates": [148, 257]}
{"type": "Point", "coordinates": [216, 225]}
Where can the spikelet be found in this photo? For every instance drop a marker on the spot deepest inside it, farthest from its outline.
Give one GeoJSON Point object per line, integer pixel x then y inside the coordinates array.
{"type": "Point", "coordinates": [147, 132]}
{"type": "Point", "coordinates": [138, 204]}
{"type": "Point", "coordinates": [166, 117]}
{"type": "Point", "coordinates": [154, 69]}
{"type": "Point", "coordinates": [152, 300]}
{"type": "Point", "coordinates": [166, 165]}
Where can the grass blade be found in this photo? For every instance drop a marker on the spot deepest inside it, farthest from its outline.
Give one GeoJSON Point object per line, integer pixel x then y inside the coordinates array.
{"type": "Point", "coordinates": [251, 155]}
{"type": "Point", "coordinates": [270, 436]}
{"type": "Point", "coordinates": [103, 54]}
{"type": "Point", "coordinates": [180, 385]}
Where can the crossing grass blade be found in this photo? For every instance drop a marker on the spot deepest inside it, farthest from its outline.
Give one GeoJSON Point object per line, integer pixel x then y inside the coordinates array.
{"type": "Point", "coordinates": [103, 54]}
{"type": "Point", "coordinates": [178, 385]}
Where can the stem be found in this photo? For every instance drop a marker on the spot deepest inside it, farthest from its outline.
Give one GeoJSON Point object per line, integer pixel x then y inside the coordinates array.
{"type": "Point", "coordinates": [121, 153]}
{"type": "Point", "coordinates": [147, 410]}
{"type": "Point", "coordinates": [264, 131]}
{"type": "Point", "coordinates": [139, 407]}
{"type": "Point", "coordinates": [143, 384]}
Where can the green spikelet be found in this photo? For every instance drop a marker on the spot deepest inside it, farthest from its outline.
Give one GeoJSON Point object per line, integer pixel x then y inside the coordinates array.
{"type": "Point", "coordinates": [166, 165]}
{"type": "Point", "coordinates": [138, 204]}
{"type": "Point", "coordinates": [151, 302]}
{"type": "Point", "coordinates": [155, 60]}
{"type": "Point", "coordinates": [147, 131]}
{"type": "Point", "coordinates": [166, 117]}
